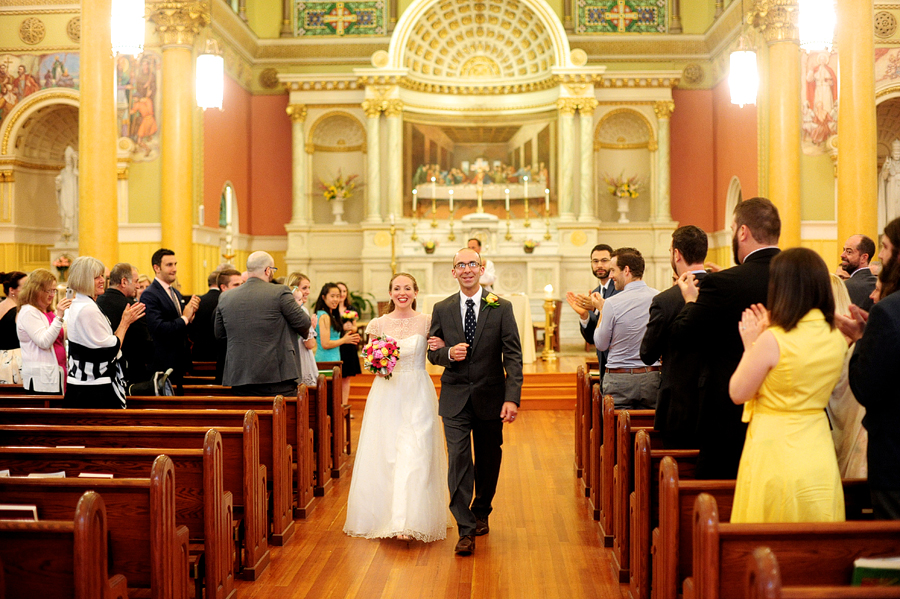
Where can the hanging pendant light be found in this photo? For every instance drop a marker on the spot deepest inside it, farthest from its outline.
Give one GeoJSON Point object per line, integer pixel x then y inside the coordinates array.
{"type": "Point", "coordinates": [210, 77]}
{"type": "Point", "coordinates": [743, 75]}
{"type": "Point", "coordinates": [816, 24]}
{"type": "Point", "coordinates": [127, 26]}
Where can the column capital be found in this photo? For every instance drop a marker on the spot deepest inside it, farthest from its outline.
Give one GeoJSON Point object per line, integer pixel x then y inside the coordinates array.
{"type": "Point", "coordinates": [664, 108]}
{"type": "Point", "coordinates": [372, 107]}
{"type": "Point", "coordinates": [587, 106]}
{"type": "Point", "coordinates": [776, 20]}
{"type": "Point", "coordinates": [178, 22]}
{"type": "Point", "coordinates": [297, 112]}
{"type": "Point", "coordinates": [567, 106]}
{"type": "Point", "coordinates": [393, 107]}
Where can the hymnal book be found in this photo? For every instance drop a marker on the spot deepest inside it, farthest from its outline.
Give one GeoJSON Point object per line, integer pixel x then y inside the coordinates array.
{"type": "Point", "coordinates": [18, 512]}
{"type": "Point", "coordinates": [60, 474]}
{"type": "Point", "coordinates": [876, 571]}
{"type": "Point", "coordinates": [4, 473]}
{"type": "Point", "coordinates": [94, 475]}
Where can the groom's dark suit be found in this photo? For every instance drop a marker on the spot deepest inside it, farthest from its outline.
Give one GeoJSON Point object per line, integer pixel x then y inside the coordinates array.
{"type": "Point", "coordinates": [472, 395]}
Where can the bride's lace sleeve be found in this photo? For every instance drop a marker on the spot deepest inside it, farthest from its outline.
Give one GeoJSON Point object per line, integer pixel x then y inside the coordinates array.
{"type": "Point", "coordinates": [374, 328]}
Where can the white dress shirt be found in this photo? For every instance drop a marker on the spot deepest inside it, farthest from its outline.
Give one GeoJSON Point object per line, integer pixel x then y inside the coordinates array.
{"type": "Point", "coordinates": [462, 309]}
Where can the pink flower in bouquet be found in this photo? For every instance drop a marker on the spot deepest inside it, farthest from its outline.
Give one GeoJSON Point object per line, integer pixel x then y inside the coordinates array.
{"type": "Point", "coordinates": [381, 354]}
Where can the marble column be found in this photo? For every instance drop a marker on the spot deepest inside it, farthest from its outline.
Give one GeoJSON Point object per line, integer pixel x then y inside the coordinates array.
{"type": "Point", "coordinates": [663, 111]}
{"type": "Point", "coordinates": [98, 226]}
{"type": "Point", "coordinates": [394, 115]}
{"type": "Point", "coordinates": [177, 24]}
{"type": "Point", "coordinates": [586, 187]}
{"type": "Point", "coordinates": [286, 7]}
{"type": "Point", "coordinates": [857, 210]}
{"type": "Point", "coordinates": [566, 108]}
{"type": "Point", "coordinates": [373, 160]}
{"type": "Point", "coordinates": [299, 165]}
{"type": "Point", "coordinates": [779, 27]}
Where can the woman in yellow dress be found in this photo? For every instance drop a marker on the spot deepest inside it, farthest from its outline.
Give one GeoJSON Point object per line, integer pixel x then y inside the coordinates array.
{"type": "Point", "coordinates": [793, 356]}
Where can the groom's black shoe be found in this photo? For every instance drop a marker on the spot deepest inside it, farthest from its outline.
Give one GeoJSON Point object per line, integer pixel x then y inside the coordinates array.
{"type": "Point", "coordinates": [481, 526]}
{"type": "Point", "coordinates": [465, 545]}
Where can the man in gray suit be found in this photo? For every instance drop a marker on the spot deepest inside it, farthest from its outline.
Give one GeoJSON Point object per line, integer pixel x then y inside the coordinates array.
{"type": "Point", "coordinates": [480, 390]}
{"type": "Point", "coordinates": [261, 323]}
{"type": "Point", "coordinates": [854, 269]}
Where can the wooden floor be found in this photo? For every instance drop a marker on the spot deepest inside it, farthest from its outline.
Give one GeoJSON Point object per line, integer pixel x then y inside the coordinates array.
{"type": "Point", "coordinates": [542, 542]}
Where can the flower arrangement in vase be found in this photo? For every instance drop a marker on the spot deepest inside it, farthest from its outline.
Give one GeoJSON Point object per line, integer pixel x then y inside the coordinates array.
{"type": "Point", "coordinates": [336, 192]}
{"type": "Point", "coordinates": [625, 190]}
{"type": "Point", "coordinates": [62, 264]}
{"type": "Point", "coordinates": [430, 246]}
{"type": "Point", "coordinates": [529, 246]}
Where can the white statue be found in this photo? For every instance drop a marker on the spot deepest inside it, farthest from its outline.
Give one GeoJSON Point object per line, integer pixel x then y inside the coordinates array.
{"type": "Point", "coordinates": [67, 195]}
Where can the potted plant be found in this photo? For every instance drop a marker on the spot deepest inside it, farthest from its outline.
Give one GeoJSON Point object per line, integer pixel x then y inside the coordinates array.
{"type": "Point", "coordinates": [363, 303]}
{"type": "Point", "coordinates": [430, 246]}
{"type": "Point", "coordinates": [529, 246]}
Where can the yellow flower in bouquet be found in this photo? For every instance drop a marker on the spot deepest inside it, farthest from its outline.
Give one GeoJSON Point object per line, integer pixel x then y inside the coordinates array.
{"type": "Point", "coordinates": [342, 187]}
{"type": "Point", "coordinates": [622, 187]}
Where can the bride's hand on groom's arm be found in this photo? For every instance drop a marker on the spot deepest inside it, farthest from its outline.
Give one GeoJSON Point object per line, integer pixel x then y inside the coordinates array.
{"type": "Point", "coordinates": [436, 343]}
{"type": "Point", "coordinates": [509, 411]}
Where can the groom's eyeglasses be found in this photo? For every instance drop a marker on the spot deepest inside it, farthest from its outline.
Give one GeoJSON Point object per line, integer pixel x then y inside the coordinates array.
{"type": "Point", "coordinates": [462, 265]}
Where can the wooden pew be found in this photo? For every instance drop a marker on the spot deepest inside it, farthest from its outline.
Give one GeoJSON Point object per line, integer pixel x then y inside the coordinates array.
{"type": "Point", "coordinates": [644, 502]}
{"type": "Point", "coordinates": [60, 559]}
{"type": "Point", "coordinates": [144, 544]}
{"type": "Point", "coordinates": [811, 554]}
{"type": "Point", "coordinates": [579, 420]}
{"type": "Point", "coordinates": [587, 432]}
{"type": "Point", "coordinates": [20, 400]}
{"type": "Point", "coordinates": [764, 582]}
{"type": "Point", "coordinates": [335, 412]}
{"type": "Point", "coordinates": [274, 452]}
{"type": "Point", "coordinates": [243, 475]}
{"type": "Point", "coordinates": [201, 503]}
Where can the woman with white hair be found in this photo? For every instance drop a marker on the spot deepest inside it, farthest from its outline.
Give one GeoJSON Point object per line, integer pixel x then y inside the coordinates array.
{"type": "Point", "coordinates": [95, 378]}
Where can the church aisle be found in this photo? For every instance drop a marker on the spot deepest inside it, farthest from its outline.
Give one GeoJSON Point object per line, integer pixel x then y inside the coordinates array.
{"type": "Point", "coordinates": [542, 542]}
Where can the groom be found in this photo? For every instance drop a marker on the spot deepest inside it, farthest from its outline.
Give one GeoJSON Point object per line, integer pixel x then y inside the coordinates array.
{"type": "Point", "coordinates": [477, 397]}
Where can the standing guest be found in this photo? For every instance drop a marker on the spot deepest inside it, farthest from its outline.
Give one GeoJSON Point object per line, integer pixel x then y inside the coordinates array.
{"type": "Point", "coordinates": [95, 378]}
{"type": "Point", "coordinates": [793, 355]}
{"type": "Point", "coordinates": [349, 352]}
{"type": "Point", "coordinates": [623, 322]}
{"type": "Point", "coordinates": [858, 252]}
{"type": "Point", "coordinates": [168, 316]}
{"type": "Point", "coordinates": [873, 378]}
{"type": "Point", "coordinates": [143, 281]}
{"type": "Point", "coordinates": [200, 331]}
{"type": "Point", "coordinates": [329, 333]}
{"type": "Point", "coordinates": [676, 408]}
{"type": "Point", "coordinates": [260, 322]}
{"type": "Point", "coordinates": [137, 351]}
{"type": "Point", "coordinates": [300, 286]}
{"type": "Point", "coordinates": [228, 279]}
{"type": "Point", "coordinates": [489, 278]}
{"type": "Point", "coordinates": [41, 335]}
{"type": "Point", "coordinates": [601, 256]}
{"type": "Point", "coordinates": [708, 324]}
{"type": "Point", "coordinates": [10, 354]}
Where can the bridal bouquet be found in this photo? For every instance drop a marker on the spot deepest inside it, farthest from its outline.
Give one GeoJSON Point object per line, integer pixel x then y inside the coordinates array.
{"type": "Point", "coordinates": [349, 315]}
{"type": "Point", "coordinates": [380, 356]}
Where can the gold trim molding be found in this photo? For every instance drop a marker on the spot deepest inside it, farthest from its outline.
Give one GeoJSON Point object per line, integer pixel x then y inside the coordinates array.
{"type": "Point", "coordinates": [178, 22]}
{"type": "Point", "coordinates": [664, 109]}
{"type": "Point", "coordinates": [611, 80]}
{"type": "Point", "coordinates": [297, 112]}
{"type": "Point", "coordinates": [776, 20]}
{"type": "Point", "coordinates": [651, 144]}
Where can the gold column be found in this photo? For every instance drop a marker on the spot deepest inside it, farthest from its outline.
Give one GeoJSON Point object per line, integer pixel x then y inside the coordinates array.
{"type": "Point", "coordinates": [177, 24]}
{"type": "Point", "coordinates": [98, 224]}
{"type": "Point", "coordinates": [857, 210]}
{"type": "Point", "coordinates": [777, 21]}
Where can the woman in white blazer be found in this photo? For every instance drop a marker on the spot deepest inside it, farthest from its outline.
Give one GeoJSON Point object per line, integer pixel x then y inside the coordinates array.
{"type": "Point", "coordinates": [40, 333]}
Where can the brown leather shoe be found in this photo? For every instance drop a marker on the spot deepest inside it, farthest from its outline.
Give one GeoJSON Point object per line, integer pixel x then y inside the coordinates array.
{"type": "Point", "coordinates": [465, 545]}
{"type": "Point", "coordinates": [481, 526]}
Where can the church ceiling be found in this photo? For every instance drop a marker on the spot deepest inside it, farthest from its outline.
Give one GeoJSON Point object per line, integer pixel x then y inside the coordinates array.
{"type": "Point", "coordinates": [888, 119]}
{"type": "Point", "coordinates": [480, 135]}
{"type": "Point", "coordinates": [46, 134]}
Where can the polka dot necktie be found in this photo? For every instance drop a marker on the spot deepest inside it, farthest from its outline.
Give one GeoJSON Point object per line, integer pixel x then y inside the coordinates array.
{"type": "Point", "coordinates": [470, 321]}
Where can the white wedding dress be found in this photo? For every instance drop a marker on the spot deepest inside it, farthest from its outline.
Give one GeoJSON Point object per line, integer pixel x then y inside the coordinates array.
{"type": "Point", "coordinates": [399, 483]}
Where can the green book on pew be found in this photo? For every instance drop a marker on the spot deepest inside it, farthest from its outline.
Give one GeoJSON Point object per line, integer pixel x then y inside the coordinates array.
{"type": "Point", "coordinates": [876, 571]}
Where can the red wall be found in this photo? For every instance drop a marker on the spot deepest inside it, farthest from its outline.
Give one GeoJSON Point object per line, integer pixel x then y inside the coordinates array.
{"type": "Point", "coordinates": [736, 148]}
{"type": "Point", "coordinates": [226, 153]}
{"type": "Point", "coordinates": [270, 165]}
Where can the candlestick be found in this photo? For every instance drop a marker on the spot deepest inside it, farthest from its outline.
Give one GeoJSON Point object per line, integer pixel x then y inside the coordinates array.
{"type": "Point", "coordinates": [479, 193]}
{"type": "Point", "coordinates": [549, 329]}
{"type": "Point", "coordinates": [527, 222]}
{"type": "Point", "coordinates": [508, 234]}
{"type": "Point", "coordinates": [433, 213]}
{"type": "Point", "coordinates": [452, 235]}
{"type": "Point", "coordinates": [547, 233]}
{"type": "Point", "coordinates": [450, 191]}
{"type": "Point", "coordinates": [415, 197]}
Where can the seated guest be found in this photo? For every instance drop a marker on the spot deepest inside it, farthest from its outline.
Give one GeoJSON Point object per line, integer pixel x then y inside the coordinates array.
{"type": "Point", "coordinates": [95, 378]}
{"type": "Point", "coordinates": [41, 334]}
{"type": "Point", "coordinates": [137, 351]}
{"type": "Point", "coordinates": [301, 286]}
{"type": "Point", "coordinates": [10, 354]}
{"type": "Point", "coordinates": [792, 359]}
{"type": "Point", "coordinates": [329, 330]}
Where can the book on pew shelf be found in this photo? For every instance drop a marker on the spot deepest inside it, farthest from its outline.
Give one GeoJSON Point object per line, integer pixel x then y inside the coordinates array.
{"type": "Point", "coordinates": [60, 474]}
{"type": "Point", "coordinates": [9, 511]}
{"type": "Point", "coordinates": [4, 473]}
{"type": "Point", "coordinates": [876, 571]}
{"type": "Point", "coordinates": [94, 475]}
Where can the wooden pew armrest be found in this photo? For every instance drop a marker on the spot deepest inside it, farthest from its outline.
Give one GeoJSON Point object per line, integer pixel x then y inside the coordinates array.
{"type": "Point", "coordinates": [689, 592]}
{"type": "Point", "coordinates": [182, 567]}
{"type": "Point", "coordinates": [118, 587]}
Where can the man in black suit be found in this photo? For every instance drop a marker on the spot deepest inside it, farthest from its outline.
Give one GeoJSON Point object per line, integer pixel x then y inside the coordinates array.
{"type": "Point", "coordinates": [708, 323]}
{"type": "Point", "coordinates": [601, 256]}
{"type": "Point", "coordinates": [137, 349]}
{"type": "Point", "coordinates": [200, 331]}
{"type": "Point", "coordinates": [860, 282]}
{"type": "Point", "coordinates": [168, 316]}
{"type": "Point", "coordinates": [480, 390]}
{"type": "Point", "coordinates": [676, 406]}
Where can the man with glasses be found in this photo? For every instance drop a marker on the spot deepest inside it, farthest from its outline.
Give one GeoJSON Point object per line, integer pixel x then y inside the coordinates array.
{"type": "Point", "coordinates": [261, 324]}
{"type": "Point", "coordinates": [137, 348]}
{"type": "Point", "coordinates": [480, 390]}
{"type": "Point", "coordinates": [601, 256]}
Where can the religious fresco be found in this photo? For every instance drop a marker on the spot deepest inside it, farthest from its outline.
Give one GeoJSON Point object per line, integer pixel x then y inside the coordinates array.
{"type": "Point", "coordinates": [621, 16]}
{"type": "Point", "coordinates": [340, 18]}
{"type": "Point", "coordinates": [887, 64]}
{"type": "Point", "coordinates": [137, 104]}
{"type": "Point", "coordinates": [24, 74]}
{"type": "Point", "coordinates": [819, 101]}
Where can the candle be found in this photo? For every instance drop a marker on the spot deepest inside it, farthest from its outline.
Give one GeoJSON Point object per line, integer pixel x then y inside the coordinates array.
{"type": "Point", "coordinates": [451, 199]}
{"type": "Point", "coordinates": [547, 200]}
{"type": "Point", "coordinates": [415, 197]}
{"type": "Point", "coordinates": [507, 199]}
{"type": "Point", "coordinates": [392, 218]}
{"type": "Point", "coordinates": [433, 192]}
{"type": "Point", "coordinates": [525, 178]}
{"type": "Point", "coordinates": [548, 291]}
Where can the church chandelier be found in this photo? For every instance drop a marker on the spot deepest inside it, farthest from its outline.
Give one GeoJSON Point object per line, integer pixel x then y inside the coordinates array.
{"type": "Point", "coordinates": [816, 25]}
{"type": "Point", "coordinates": [127, 26]}
{"type": "Point", "coordinates": [743, 75]}
{"type": "Point", "coordinates": [210, 77]}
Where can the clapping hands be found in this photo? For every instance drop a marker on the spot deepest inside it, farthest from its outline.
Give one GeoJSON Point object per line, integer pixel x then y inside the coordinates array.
{"type": "Point", "coordinates": [754, 321]}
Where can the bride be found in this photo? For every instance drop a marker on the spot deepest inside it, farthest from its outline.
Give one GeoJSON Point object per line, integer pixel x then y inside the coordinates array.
{"type": "Point", "coordinates": [399, 483]}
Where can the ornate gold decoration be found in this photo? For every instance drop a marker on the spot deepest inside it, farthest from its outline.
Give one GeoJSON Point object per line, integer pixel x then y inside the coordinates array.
{"type": "Point", "coordinates": [32, 31]}
{"type": "Point", "coordinates": [323, 85]}
{"type": "Point", "coordinates": [587, 105]}
{"type": "Point", "coordinates": [651, 144]}
{"type": "Point", "coordinates": [578, 238]}
{"type": "Point", "coordinates": [885, 24]}
{"type": "Point", "coordinates": [122, 173]}
{"type": "Point", "coordinates": [611, 80]}
{"type": "Point", "coordinates": [7, 176]}
{"type": "Point", "coordinates": [393, 108]}
{"type": "Point", "coordinates": [381, 239]}
{"type": "Point", "coordinates": [578, 57]}
{"type": "Point", "coordinates": [73, 29]}
{"type": "Point", "coordinates": [887, 91]}
{"type": "Point", "coordinates": [178, 22]}
{"type": "Point", "coordinates": [373, 108]}
{"type": "Point", "coordinates": [340, 146]}
{"type": "Point", "coordinates": [567, 106]}
{"type": "Point", "coordinates": [380, 59]}
{"type": "Point", "coordinates": [476, 90]}
{"type": "Point", "coordinates": [693, 73]}
{"type": "Point", "coordinates": [480, 67]}
{"type": "Point", "coordinates": [776, 20]}
{"type": "Point", "coordinates": [268, 78]}
{"type": "Point", "coordinates": [297, 112]}
{"type": "Point", "coordinates": [664, 109]}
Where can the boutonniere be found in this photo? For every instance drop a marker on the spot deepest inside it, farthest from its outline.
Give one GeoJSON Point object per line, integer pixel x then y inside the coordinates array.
{"type": "Point", "coordinates": [491, 300]}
